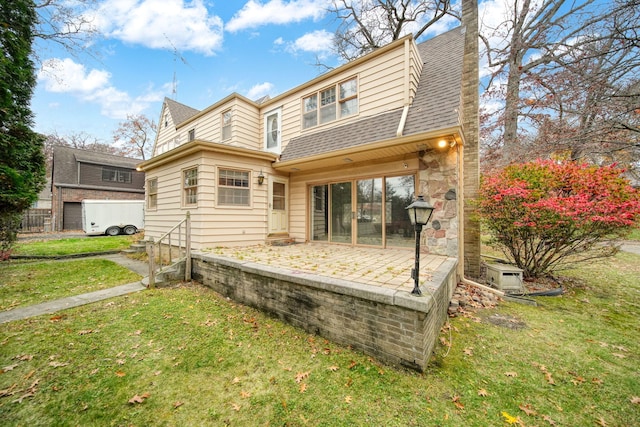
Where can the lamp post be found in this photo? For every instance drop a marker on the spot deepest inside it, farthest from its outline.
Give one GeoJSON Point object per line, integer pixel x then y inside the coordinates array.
{"type": "Point", "coordinates": [419, 213]}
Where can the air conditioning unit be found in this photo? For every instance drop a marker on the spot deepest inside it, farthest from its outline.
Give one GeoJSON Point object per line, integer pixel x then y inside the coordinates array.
{"type": "Point", "coordinates": [505, 277]}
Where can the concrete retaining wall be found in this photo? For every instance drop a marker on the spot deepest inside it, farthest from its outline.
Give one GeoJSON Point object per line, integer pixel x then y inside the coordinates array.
{"type": "Point", "coordinates": [393, 326]}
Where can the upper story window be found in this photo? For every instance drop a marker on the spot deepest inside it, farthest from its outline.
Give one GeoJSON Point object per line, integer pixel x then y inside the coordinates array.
{"type": "Point", "coordinates": [233, 187]}
{"type": "Point", "coordinates": [190, 186]}
{"type": "Point", "coordinates": [192, 135]}
{"type": "Point", "coordinates": [226, 125]}
{"type": "Point", "coordinates": [116, 175]}
{"type": "Point", "coordinates": [330, 104]}
{"type": "Point", "coordinates": [152, 193]}
{"type": "Point", "coordinates": [272, 133]}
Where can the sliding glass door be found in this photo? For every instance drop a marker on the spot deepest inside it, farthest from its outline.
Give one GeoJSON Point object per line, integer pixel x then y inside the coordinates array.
{"type": "Point", "coordinates": [367, 211]}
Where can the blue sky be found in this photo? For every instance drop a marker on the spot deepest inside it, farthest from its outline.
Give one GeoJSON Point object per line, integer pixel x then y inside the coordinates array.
{"type": "Point", "coordinates": [214, 48]}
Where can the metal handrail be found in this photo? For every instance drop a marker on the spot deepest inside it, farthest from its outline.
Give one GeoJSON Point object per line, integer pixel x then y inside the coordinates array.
{"type": "Point", "coordinates": [151, 249]}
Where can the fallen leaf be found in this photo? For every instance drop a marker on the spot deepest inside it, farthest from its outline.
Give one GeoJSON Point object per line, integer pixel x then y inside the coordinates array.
{"type": "Point", "coordinates": [245, 394]}
{"type": "Point", "coordinates": [482, 392]}
{"type": "Point", "coordinates": [121, 361]}
{"type": "Point", "coordinates": [635, 400]}
{"type": "Point", "coordinates": [8, 368]}
{"type": "Point", "coordinates": [139, 399]}
{"type": "Point", "coordinates": [349, 382]}
{"type": "Point", "coordinates": [511, 374]}
{"type": "Point", "coordinates": [619, 355]}
{"type": "Point", "coordinates": [56, 318]}
{"type": "Point", "coordinates": [333, 368]}
{"type": "Point", "coordinates": [352, 364]}
{"type": "Point", "coordinates": [235, 407]}
{"type": "Point", "coordinates": [236, 380]}
{"type": "Point", "coordinates": [602, 422]}
{"type": "Point", "coordinates": [527, 409]}
{"type": "Point", "coordinates": [85, 332]}
{"type": "Point", "coordinates": [178, 404]}
{"type": "Point", "coordinates": [57, 364]}
{"type": "Point", "coordinates": [302, 375]}
{"type": "Point", "coordinates": [549, 420]}
{"type": "Point", "coordinates": [303, 387]}
{"type": "Point", "coordinates": [348, 399]}
{"type": "Point", "coordinates": [8, 391]}
{"type": "Point", "coordinates": [549, 378]}
{"type": "Point", "coordinates": [24, 357]}
{"type": "Point", "coordinates": [120, 374]}
{"type": "Point", "coordinates": [468, 351]}
{"type": "Point", "coordinates": [456, 401]}
{"type": "Point", "coordinates": [510, 419]}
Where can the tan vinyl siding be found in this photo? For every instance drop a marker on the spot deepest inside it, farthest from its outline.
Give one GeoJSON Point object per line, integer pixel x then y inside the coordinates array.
{"type": "Point", "coordinates": [299, 187]}
{"type": "Point", "coordinates": [211, 225]}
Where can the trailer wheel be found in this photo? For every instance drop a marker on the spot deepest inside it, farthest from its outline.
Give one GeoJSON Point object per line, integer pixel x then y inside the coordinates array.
{"type": "Point", "coordinates": [130, 229]}
{"type": "Point", "coordinates": [112, 231]}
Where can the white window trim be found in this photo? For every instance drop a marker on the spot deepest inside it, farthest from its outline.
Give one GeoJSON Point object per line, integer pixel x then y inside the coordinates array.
{"type": "Point", "coordinates": [338, 102]}
{"type": "Point", "coordinates": [184, 187]}
{"type": "Point", "coordinates": [249, 188]}
{"type": "Point", "coordinates": [278, 148]}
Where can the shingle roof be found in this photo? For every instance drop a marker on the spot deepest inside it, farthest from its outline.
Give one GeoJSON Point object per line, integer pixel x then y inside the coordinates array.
{"type": "Point", "coordinates": [65, 158]}
{"type": "Point", "coordinates": [438, 97]}
{"type": "Point", "coordinates": [179, 112]}
{"type": "Point", "coordinates": [434, 106]}
{"type": "Point", "coordinates": [374, 128]}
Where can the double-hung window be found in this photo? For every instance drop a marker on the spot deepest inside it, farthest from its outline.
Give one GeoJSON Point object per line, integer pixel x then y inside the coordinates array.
{"type": "Point", "coordinates": [152, 193]}
{"type": "Point", "coordinates": [226, 125]}
{"type": "Point", "coordinates": [116, 175]}
{"type": "Point", "coordinates": [233, 187]}
{"type": "Point", "coordinates": [190, 186]}
{"type": "Point", "coordinates": [331, 103]}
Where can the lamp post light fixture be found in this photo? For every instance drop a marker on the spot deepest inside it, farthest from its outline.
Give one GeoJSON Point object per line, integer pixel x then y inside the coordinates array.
{"type": "Point", "coordinates": [260, 178]}
{"type": "Point", "coordinates": [419, 214]}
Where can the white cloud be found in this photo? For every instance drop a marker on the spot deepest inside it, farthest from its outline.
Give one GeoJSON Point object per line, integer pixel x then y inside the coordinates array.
{"type": "Point", "coordinates": [259, 90]}
{"type": "Point", "coordinates": [66, 76]}
{"type": "Point", "coordinates": [255, 14]}
{"type": "Point", "coordinates": [161, 24]}
{"type": "Point", "coordinates": [318, 41]}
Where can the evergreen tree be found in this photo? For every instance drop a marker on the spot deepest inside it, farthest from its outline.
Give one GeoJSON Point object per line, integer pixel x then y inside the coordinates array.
{"type": "Point", "coordinates": [22, 166]}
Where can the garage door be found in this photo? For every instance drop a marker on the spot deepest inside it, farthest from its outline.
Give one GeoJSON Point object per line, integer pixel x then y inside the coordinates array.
{"type": "Point", "coordinates": [72, 216]}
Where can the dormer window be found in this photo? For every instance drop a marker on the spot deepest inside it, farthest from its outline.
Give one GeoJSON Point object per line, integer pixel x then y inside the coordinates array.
{"type": "Point", "coordinates": [335, 102]}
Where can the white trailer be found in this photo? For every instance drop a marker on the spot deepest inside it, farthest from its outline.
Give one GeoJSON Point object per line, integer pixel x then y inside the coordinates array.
{"type": "Point", "coordinates": [112, 217]}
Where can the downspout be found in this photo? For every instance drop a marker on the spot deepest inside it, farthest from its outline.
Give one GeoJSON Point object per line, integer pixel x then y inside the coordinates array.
{"type": "Point", "coordinates": [403, 121]}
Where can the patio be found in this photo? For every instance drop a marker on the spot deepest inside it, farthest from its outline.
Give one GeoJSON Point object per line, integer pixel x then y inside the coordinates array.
{"type": "Point", "coordinates": [356, 296]}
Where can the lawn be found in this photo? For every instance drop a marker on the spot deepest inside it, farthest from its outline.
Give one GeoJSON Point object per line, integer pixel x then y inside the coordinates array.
{"type": "Point", "coordinates": [25, 283]}
{"type": "Point", "coordinates": [186, 356]}
{"type": "Point", "coordinates": [73, 245]}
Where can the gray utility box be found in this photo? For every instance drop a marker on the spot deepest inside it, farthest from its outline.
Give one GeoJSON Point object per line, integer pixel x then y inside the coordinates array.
{"type": "Point", "coordinates": [505, 277]}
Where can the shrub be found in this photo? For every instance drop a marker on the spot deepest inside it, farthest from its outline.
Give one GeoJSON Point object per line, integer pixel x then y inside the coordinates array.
{"type": "Point", "coordinates": [544, 215]}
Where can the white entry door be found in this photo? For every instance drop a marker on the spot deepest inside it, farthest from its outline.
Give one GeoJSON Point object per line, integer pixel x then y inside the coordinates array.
{"type": "Point", "coordinates": [278, 206]}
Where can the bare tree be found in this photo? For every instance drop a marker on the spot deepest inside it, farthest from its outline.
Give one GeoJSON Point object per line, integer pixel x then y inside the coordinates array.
{"type": "Point", "coordinates": [532, 34]}
{"type": "Point", "coordinates": [571, 84]}
{"type": "Point", "coordinates": [66, 24]}
{"type": "Point", "coordinates": [136, 135]}
{"type": "Point", "coordinates": [369, 24]}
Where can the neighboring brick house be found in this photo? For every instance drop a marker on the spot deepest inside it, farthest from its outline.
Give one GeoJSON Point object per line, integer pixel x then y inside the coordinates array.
{"type": "Point", "coordinates": [82, 174]}
{"type": "Point", "coordinates": [335, 160]}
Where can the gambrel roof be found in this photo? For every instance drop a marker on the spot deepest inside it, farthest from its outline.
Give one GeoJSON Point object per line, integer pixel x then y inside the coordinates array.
{"type": "Point", "coordinates": [436, 105]}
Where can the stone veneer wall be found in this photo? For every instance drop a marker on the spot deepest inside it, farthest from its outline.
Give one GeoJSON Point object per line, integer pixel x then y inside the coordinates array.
{"type": "Point", "coordinates": [393, 326]}
{"type": "Point", "coordinates": [438, 183]}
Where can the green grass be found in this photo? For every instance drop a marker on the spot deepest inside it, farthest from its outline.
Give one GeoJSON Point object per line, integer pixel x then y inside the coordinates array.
{"type": "Point", "coordinates": [24, 283]}
{"type": "Point", "coordinates": [194, 358]}
{"type": "Point", "coordinates": [75, 245]}
{"type": "Point", "coordinates": [635, 234]}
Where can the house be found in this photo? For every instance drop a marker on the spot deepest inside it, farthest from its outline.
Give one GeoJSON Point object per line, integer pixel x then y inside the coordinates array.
{"type": "Point", "coordinates": [335, 160]}
{"type": "Point", "coordinates": [81, 174]}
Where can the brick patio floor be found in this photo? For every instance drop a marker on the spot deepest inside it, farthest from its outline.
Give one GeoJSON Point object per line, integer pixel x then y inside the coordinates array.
{"type": "Point", "coordinates": [388, 268]}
